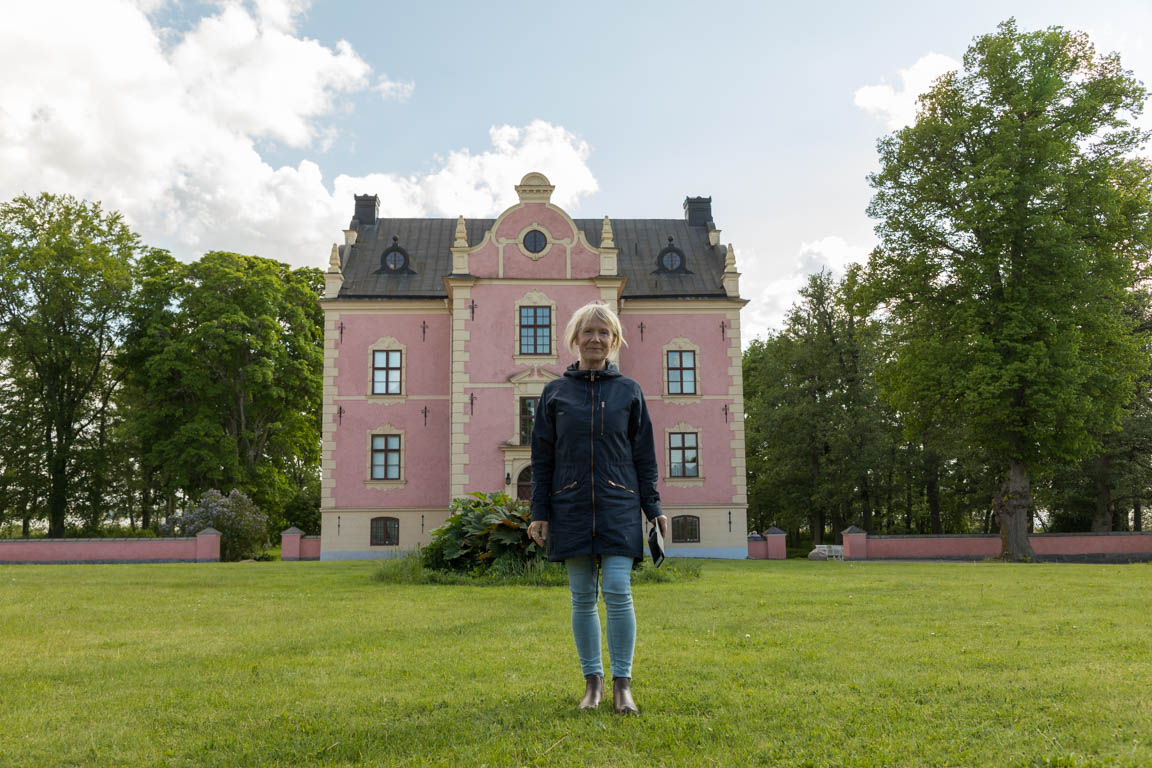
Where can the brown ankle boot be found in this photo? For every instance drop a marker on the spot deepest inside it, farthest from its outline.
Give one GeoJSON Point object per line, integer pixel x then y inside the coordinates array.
{"type": "Point", "coordinates": [622, 696]}
{"type": "Point", "coordinates": [593, 692]}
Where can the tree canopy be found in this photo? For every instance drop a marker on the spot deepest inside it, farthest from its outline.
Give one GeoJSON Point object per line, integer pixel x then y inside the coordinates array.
{"type": "Point", "coordinates": [1014, 223]}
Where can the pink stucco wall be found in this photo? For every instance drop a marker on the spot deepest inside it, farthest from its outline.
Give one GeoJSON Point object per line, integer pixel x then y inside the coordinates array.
{"type": "Point", "coordinates": [426, 384]}
{"type": "Point", "coordinates": [425, 453]}
{"type": "Point", "coordinates": [644, 358]}
{"type": "Point", "coordinates": [860, 547]}
{"type": "Point", "coordinates": [427, 364]}
{"type": "Point", "coordinates": [203, 548]}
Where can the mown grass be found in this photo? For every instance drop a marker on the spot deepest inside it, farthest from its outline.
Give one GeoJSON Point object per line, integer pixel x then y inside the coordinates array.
{"type": "Point", "coordinates": [754, 663]}
{"type": "Point", "coordinates": [408, 569]}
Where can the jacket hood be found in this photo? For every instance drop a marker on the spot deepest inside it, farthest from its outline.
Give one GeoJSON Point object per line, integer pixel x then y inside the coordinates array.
{"type": "Point", "coordinates": [610, 371]}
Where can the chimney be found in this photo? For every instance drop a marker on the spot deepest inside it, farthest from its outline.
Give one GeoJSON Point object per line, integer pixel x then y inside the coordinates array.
{"type": "Point", "coordinates": [698, 211]}
{"type": "Point", "coordinates": [368, 210]}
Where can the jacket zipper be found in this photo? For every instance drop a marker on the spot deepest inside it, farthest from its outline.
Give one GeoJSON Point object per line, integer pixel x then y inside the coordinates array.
{"type": "Point", "coordinates": [561, 490]}
{"type": "Point", "coordinates": [592, 451]}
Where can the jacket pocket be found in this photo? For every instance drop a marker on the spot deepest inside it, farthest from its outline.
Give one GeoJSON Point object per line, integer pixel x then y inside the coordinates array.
{"type": "Point", "coordinates": [568, 487]}
{"type": "Point", "coordinates": [615, 484]}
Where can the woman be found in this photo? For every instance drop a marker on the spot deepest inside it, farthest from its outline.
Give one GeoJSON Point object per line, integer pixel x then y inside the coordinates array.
{"type": "Point", "coordinates": [593, 475]}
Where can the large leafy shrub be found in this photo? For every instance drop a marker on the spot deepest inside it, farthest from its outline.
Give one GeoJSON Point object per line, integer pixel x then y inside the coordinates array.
{"type": "Point", "coordinates": [243, 526]}
{"type": "Point", "coordinates": [484, 531]}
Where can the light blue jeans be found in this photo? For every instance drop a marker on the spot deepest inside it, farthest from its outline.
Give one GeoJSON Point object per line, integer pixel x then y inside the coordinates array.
{"type": "Point", "coordinates": [616, 573]}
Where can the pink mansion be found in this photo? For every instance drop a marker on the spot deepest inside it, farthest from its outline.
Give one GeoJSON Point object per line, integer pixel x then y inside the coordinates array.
{"type": "Point", "coordinates": [439, 335]}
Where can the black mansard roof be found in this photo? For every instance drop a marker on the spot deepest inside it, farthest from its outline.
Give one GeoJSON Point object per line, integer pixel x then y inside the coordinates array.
{"type": "Point", "coordinates": [427, 242]}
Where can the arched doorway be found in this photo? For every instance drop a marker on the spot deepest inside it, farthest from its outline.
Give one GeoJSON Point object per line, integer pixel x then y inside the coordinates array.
{"type": "Point", "coordinates": [524, 484]}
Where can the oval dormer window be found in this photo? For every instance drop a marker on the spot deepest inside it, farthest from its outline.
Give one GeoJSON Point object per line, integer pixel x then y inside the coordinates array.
{"type": "Point", "coordinates": [394, 260]}
{"type": "Point", "coordinates": [672, 260]}
{"type": "Point", "coordinates": [535, 241]}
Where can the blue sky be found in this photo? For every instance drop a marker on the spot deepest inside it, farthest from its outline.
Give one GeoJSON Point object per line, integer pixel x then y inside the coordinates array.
{"type": "Point", "coordinates": [248, 125]}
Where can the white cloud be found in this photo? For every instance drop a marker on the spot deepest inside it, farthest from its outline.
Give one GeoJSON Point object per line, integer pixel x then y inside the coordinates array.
{"type": "Point", "coordinates": [897, 108]}
{"type": "Point", "coordinates": [772, 291]}
{"type": "Point", "coordinates": [393, 90]}
{"type": "Point", "coordinates": [166, 127]}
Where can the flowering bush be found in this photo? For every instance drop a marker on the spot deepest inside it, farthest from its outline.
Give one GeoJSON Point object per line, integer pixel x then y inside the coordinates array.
{"type": "Point", "coordinates": [242, 525]}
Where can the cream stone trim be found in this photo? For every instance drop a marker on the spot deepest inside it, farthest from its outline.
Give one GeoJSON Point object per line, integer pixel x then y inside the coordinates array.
{"type": "Point", "coordinates": [460, 249]}
{"type": "Point", "coordinates": [730, 278]}
{"type": "Point", "coordinates": [460, 293]}
{"type": "Point", "coordinates": [378, 484]}
{"type": "Point", "coordinates": [534, 188]}
{"type": "Point", "coordinates": [736, 411]}
{"type": "Point", "coordinates": [328, 417]}
{"type": "Point", "coordinates": [682, 482]}
{"type": "Point", "coordinates": [388, 344]}
{"type": "Point", "coordinates": [566, 242]}
{"type": "Point", "coordinates": [333, 278]}
{"type": "Point", "coordinates": [516, 459]}
{"type": "Point", "coordinates": [387, 307]}
{"type": "Point", "coordinates": [680, 344]}
{"type": "Point", "coordinates": [528, 383]}
{"type": "Point", "coordinates": [377, 398]}
{"type": "Point", "coordinates": [534, 298]}
{"type": "Point", "coordinates": [678, 306]}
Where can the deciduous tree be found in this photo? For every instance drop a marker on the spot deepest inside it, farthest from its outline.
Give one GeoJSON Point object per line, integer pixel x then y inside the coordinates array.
{"type": "Point", "coordinates": [1014, 218]}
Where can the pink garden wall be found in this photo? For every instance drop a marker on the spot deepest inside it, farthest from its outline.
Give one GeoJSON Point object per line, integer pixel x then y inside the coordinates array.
{"type": "Point", "coordinates": [202, 548]}
{"type": "Point", "coordinates": [1087, 547]}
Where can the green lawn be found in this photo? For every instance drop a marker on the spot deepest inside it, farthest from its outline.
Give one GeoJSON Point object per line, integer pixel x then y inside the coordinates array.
{"type": "Point", "coordinates": [756, 663]}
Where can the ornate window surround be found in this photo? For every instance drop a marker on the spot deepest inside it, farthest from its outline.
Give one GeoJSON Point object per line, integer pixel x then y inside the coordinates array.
{"type": "Point", "coordinates": [534, 298]}
{"type": "Point", "coordinates": [382, 344]}
{"type": "Point", "coordinates": [376, 483]}
{"type": "Point", "coordinates": [683, 482]}
{"type": "Point", "coordinates": [679, 344]}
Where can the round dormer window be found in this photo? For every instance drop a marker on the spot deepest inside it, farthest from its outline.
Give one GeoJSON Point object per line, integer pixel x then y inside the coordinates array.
{"type": "Point", "coordinates": [671, 260]}
{"type": "Point", "coordinates": [535, 241]}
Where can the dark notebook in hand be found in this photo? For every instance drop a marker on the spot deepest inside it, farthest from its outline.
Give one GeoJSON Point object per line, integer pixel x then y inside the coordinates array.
{"type": "Point", "coordinates": [656, 544]}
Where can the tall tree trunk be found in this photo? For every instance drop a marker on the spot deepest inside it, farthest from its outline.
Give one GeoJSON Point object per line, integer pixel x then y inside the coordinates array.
{"type": "Point", "coordinates": [1013, 506]}
{"type": "Point", "coordinates": [1102, 516]}
{"type": "Point", "coordinates": [932, 489]}
{"type": "Point", "coordinates": [866, 499]}
{"type": "Point", "coordinates": [1137, 516]}
{"type": "Point", "coordinates": [146, 505]}
{"type": "Point", "coordinates": [908, 500]}
{"type": "Point", "coordinates": [57, 495]}
{"type": "Point", "coordinates": [816, 521]}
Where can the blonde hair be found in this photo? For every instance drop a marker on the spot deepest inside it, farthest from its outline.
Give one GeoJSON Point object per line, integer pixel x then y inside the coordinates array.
{"type": "Point", "coordinates": [596, 310]}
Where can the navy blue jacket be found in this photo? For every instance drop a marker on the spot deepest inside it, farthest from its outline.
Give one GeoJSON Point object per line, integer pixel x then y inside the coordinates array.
{"type": "Point", "coordinates": [593, 464]}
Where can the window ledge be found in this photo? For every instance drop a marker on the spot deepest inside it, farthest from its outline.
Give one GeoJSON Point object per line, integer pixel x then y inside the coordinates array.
{"type": "Point", "coordinates": [684, 482]}
{"type": "Point", "coordinates": [385, 485]}
{"type": "Point", "coordinates": [683, 399]}
{"type": "Point", "coordinates": [387, 399]}
{"type": "Point", "coordinates": [534, 359]}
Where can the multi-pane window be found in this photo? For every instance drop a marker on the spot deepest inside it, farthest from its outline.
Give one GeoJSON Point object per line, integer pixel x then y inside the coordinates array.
{"type": "Point", "coordinates": [683, 460]}
{"type": "Point", "coordinates": [681, 372]}
{"type": "Point", "coordinates": [385, 532]}
{"type": "Point", "coordinates": [685, 529]}
{"type": "Point", "coordinates": [386, 366]}
{"type": "Point", "coordinates": [385, 457]}
{"type": "Point", "coordinates": [527, 416]}
{"type": "Point", "coordinates": [535, 330]}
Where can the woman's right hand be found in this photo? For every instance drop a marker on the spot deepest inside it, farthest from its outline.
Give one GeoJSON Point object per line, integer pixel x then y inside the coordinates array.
{"type": "Point", "coordinates": [538, 532]}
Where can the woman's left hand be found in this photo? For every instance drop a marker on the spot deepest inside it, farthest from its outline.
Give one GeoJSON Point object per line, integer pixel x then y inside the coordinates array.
{"type": "Point", "coordinates": [662, 521]}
